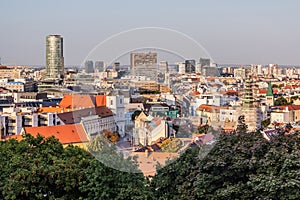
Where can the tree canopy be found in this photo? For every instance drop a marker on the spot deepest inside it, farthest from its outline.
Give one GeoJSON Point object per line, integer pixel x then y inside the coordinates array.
{"type": "Point", "coordinates": [237, 166]}
{"type": "Point", "coordinates": [40, 168]}
{"type": "Point", "coordinates": [281, 101]}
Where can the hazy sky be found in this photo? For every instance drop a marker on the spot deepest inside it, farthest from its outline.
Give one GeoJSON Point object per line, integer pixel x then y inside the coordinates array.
{"type": "Point", "coordinates": [232, 31]}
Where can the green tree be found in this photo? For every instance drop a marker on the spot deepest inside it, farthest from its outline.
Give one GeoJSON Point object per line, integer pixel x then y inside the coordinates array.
{"type": "Point", "coordinates": [265, 123]}
{"type": "Point", "coordinates": [171, 145]}
{"type": "Point", "coordinates": [239, 166]}
{"type": "Point", "coordinates": [281, 101]}
{"type": "Point", "coordinates": [111, 176]}
{"type": "Point", "coordinates": [241, 125]}
{"type": "Point", "coordinates": [173, 181]}
{"type": "Point", "coordinates": [106, 152]}
{"type": "Point", "coordinates": [203, 129]}
{"type": "Point", "coordinates": [135, 114]}
{"type": "Point", "coordinates": [40, 168]}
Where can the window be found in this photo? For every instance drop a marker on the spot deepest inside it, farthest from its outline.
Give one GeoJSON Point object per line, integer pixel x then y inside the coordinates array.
{"type": "Point", "coordinates": [111, 102]}
{"type": "Point", "coordinates": [120, 101]}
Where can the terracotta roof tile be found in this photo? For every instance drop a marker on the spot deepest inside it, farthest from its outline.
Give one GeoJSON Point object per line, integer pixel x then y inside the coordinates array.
{"type": "Point", "coordinates": [77, 101]}
{"type": "Point", "coordinates": [66, 134]}
{"type": "Point", "coordinates": [100, 100]}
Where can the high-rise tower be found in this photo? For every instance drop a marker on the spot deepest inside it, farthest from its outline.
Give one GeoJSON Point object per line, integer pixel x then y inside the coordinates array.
{"type": "Point", "coordinates": [54, 56]}
{"type": "Point", "coordinates": [250, 110]}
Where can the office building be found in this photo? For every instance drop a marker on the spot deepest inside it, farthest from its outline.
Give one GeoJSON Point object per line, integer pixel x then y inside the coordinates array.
{"type": "Point", "coordinates": [204, 62]}
{"type": "Point", "coordinates": [100, 66]}
{"type": "Point", "coordinates": [54, 57]}
{"type": "Point", "coordinates": [190, 66]}
{"type": "Point", "coordinates": [89, 66]}
{"type": "Point", "coordinates": [211, 70]}
{"type": "Point", "coordinates": [149, 71]}
{"type": "Point", "coordinates": [149, 58]}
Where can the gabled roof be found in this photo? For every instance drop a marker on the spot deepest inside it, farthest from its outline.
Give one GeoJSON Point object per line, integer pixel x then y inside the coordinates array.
{"type": "Point", "coordinates": [141, 116]}
{"type": "Point", "coordinates": [77, 101]}
{"type": "Point", "coordinates": [290, 107]}
{"type": "Point", "coordinates": [76, 115]}
{"type": "Point", "coordinates": [100, 100]}
{"type": "Point", "coordinates": [209, 108]}
{"type": "Point", "coordinates": [66, 134]}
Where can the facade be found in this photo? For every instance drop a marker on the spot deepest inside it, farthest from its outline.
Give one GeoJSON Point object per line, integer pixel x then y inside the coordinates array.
{"type": "Point", "coordinates": [149, 58]}
{"type": "Point", "coordinates": [54, 56]}
{"type": "Point", "coordinates": [150, 71]}
{"type": "Point", "coordinates": [281, 116]}
{"type": "Point", "coordinates": [14, 118]}
{"type": "Point", "coordinates": [95, 124]}
{"type": "Point", "coordinates": [190, 66]}
{"type": "Point", "coordinates": [239, 73]}
{"type": "Point", "coordinates": [181, 67]}
{"type": "Point", "coordinates": [148, 129]}
{"type": "Point", "coordinates": [208, 114]}
{"type": "Point", "coordinates": [100, 66]}
{"type": "Point", "coordinates": [9, 72]}
{"type": "Point", "coordinates": [285, 114]}
{"type": "Point", "coordinates": [204, 62]}
{"type": "Point", "coordinates": [116, 104]}
{"type": "Point", "coordinates": [146, 85]}
{"type": "Point", "coordinates": [252, 113]}
{"type": "Point", "coordinates": [18, 86]}
{"type": "Point", "coordinates": [89, 66]}
{"type": "Point", "coordinates": [229, 114]}
{"type": "Point", "coordinates": [210, 71]}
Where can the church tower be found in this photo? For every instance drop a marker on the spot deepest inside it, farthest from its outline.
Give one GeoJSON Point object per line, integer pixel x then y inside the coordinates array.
{"type": "Point", "coordinates": [270, 96]}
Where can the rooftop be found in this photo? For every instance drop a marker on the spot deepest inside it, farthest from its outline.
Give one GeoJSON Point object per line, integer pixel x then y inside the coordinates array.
{"type": "Point", "coordinates": [66, 134]}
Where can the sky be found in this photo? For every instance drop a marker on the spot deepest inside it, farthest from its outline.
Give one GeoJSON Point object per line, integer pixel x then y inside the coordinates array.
{"type": "Point", "coordinates": [232, 31]}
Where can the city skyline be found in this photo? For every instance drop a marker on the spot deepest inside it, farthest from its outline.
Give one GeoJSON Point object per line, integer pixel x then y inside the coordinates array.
{"type": "Point", "coordinates": [232, 31]}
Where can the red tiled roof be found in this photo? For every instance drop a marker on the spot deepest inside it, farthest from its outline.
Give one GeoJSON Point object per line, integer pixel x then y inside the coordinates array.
{"type": "Point", "coordinates": [66, 134]}
{"type": "Point", "coordinates": [195, 93]}
{"type": "Point", "coordinates": [290, 107]}
{"type": "Point", "coordinates": [264, 91]}
{"type": "Point", "coordinates": [100, 100]}
{"type": "Point", "coordinates": [209, 108]}
{"type": "Point", "coordinates": [231, 92]}
{"type": "Point", "coordinates": [288, 87]}
{"type": "Point", "coordinates": [16, 137]}
{"type": "Point", "coordinates": [77, 101]}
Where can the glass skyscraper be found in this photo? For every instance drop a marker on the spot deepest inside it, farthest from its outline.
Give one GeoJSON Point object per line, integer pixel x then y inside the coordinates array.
{"type": "Point", "coordinates": [54, 56]}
